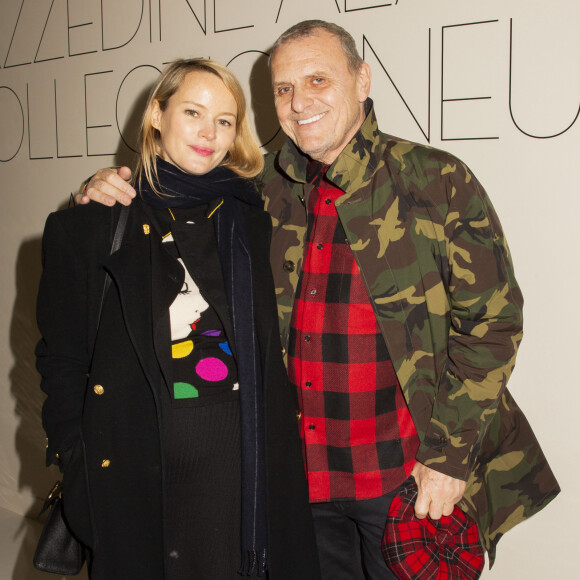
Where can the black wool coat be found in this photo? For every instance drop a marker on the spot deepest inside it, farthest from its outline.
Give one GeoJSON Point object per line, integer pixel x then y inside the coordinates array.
{"type": "Point", "coordinates": [102, 418]}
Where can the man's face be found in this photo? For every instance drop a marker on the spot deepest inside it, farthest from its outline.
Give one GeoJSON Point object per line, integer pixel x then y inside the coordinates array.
{"type": "Point", "coordinates": [319, 100]}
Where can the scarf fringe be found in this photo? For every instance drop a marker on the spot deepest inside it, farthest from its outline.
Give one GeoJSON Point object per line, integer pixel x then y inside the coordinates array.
{"type": "Point", "coordinates": [250, 563]}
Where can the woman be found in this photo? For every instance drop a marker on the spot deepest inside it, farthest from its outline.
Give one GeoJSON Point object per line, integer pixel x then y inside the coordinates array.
{"type": "Point", "coordinates": [180, 453]}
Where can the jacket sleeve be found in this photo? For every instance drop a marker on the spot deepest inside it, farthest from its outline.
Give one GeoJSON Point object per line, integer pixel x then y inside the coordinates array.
{"type": "Point", "coordinates": [485, 328]}
{"type": "Point", "coordinates": [62, 353]}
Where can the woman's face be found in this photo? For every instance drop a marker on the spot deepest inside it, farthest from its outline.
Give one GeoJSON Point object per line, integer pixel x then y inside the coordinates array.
{"type": "Point", "coordinates": [198, 125]}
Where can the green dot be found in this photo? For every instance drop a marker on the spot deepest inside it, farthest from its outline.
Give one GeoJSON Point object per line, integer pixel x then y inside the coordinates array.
{"type": "Point", "coordinates": [184, 391]}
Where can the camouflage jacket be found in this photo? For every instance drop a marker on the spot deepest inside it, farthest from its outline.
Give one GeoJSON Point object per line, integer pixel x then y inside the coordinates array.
{"type": "Point", "coordinates": [438, 273]}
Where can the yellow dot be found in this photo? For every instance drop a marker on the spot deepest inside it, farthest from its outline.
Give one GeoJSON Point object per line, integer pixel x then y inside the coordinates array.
{"type": "Point", "coordinates": [99, 390]}
{"type": "Point", "coordinates": [182, 349]}
{"type": "Point", "coordinates": [106, 463]}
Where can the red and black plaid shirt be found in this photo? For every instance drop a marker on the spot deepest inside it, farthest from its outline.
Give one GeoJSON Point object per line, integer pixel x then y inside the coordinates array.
{"type": "Point", "coordinates": [359, 440]}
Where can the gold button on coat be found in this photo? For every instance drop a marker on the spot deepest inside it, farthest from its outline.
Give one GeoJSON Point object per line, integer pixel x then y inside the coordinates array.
{"type": "Point", "coordinates": [106, 463]}
{"type": "Point", "coordinates": [99, 390]}
{"type": "Point", "coordinates": [298, 415]}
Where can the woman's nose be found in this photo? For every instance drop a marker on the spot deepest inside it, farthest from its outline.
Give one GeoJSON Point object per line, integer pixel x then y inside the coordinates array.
{"type": "Point", "coordinates": [207, 130]}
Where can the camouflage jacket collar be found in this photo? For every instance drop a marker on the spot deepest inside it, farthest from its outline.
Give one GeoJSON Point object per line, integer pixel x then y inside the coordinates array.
{"type": "Point", "coordinates": [354, 167]}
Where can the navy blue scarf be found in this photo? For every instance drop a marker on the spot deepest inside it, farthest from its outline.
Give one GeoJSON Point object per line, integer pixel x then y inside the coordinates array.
{"type": "Point", "coordinates": [184, 190]}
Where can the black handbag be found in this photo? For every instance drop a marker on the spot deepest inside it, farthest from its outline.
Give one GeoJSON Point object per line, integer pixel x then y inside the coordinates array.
{"type": "Point", "coordinates": [58, 551]}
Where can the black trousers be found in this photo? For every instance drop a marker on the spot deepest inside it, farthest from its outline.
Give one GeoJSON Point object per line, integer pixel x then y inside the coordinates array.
{"type": "Point", "coordinates": [349, 535]}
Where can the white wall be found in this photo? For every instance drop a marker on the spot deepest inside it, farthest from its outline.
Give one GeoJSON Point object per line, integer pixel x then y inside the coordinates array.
{"type": "Point", "coordinates": [72, 71]}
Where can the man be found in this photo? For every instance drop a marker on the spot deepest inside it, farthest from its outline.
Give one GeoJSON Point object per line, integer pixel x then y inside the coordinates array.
{"type": "Point", "coordinates": [393, 278]}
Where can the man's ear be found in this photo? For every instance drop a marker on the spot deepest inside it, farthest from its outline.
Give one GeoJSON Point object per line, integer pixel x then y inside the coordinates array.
{"type": "Point", "coordinates": [364, 82]}
{"type": "Point", "coordinates": [156, 114]}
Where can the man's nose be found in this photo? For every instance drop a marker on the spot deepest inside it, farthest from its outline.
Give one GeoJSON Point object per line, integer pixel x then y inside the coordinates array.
{"type": "Point", "coordinates": [301, 100]}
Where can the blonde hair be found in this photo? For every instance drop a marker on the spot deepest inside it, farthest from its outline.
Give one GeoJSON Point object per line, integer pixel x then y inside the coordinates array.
{"type": "Point", "coordinates": [244, 156]}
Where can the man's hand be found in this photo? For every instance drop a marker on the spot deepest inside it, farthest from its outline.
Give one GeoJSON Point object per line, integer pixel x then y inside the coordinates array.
{"type": "Point", "coordinates": [438, 493]}
{"type": "Point", "coordinates": [108, 186]}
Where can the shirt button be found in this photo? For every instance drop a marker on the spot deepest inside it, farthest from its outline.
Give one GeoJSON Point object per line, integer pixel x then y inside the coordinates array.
{"type": "Point", "coordinates": [289, 266]}
{"type": "Point", "coordinates": [327, 201]}
{"type": "Point", "coordinates": [99, 390]}
{"type": "Point", "coordinates": [306, 339]}
{"type": "Point", "coordinates": [311, 427]}
{"type": "Point", "coordinates": [319, 246]}
{"type": "Point", "coordinates": [308, 384]}
{"type": "Point", "coordinates": [105, 463]}
{"type": "Point", "coordinates": [313, 292]}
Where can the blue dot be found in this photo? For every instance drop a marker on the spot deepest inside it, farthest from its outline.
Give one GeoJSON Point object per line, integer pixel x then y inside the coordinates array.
{"type": "Point", "coordinates": [226, 347]}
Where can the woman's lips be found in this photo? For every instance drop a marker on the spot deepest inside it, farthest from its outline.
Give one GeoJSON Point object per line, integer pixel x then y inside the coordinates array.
{"type": "Point", "coordinates": [203, 151]}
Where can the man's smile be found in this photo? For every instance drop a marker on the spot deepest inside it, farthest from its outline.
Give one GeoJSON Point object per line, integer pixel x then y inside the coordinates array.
{"type": "Point", "coordinates": [311, 119]}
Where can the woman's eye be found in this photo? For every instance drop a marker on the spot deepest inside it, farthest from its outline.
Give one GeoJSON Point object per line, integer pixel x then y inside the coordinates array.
{"type": "Point", "coordinates": [191, 112]}
{"type": "Point", "coordinates": [224, 123]}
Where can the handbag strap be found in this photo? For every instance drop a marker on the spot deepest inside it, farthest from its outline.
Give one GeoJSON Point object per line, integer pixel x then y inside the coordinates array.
{"type": "Point", "coordinates": [54, 494]}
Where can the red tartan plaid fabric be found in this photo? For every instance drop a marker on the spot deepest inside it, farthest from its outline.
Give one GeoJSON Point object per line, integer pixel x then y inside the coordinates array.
{"type": "Point", "coordinates": [359, 440]}
{"type": "Point", "coordinates": [414, 549]}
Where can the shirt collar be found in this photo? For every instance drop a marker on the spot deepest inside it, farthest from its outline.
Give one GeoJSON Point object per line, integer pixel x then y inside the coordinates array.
{"type": "Point", "coordinates": [353, 167]}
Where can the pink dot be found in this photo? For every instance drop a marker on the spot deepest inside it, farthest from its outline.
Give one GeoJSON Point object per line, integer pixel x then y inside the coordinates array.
{"type": "Point", "coordinates": [211, 369]}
